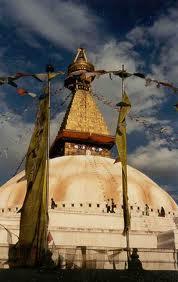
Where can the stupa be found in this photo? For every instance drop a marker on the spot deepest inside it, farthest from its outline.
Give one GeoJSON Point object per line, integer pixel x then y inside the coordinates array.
{"type": "Point", "coordinates": [85, 198]}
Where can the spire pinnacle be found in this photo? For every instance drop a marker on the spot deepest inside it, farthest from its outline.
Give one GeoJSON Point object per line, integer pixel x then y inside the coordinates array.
{"type": "Point", "coordinates": [79, 64]}
{"type": "Point", "coordinates": [81, 55]}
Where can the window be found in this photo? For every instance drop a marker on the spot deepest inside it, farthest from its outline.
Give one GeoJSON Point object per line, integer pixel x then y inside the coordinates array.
{"type": "Point", "coordinates": [2, 210]}
{"type": "Point", "coordinates": [98, 205]}
{"type": "Point", "coordinates": [131, 207]}
{"type": "Point", "coordinates": [81, 205]}
{"type": "Point", "coordinates": [89, 205]}
{"type": "Point", "coordinates": [63, 205]}
{"type": "Point", "coordinates": [16, 208]}
{"type": "Point", "coordinates": [151, 209]}
{"type": "Point", "coordinates": [9, 209]}
{"type": "Point", "coordinates": [138, 208]}
{"type": "Point", "coordinates": [72, 205]}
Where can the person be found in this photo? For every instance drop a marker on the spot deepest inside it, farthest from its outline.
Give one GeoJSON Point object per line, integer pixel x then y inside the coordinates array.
{"type": "Point", "coordinates": [146, 209]}
{"type": "Point", "coordinates": [53, 204]}
{"type": "Point", "coordinates": [108, 207]}
{"type": "Point", "coordinates": [113, 206]}
{"type": "Point", "coordinates": [162, 213]}
{"type": "Point", "coordinates": [134, 263]}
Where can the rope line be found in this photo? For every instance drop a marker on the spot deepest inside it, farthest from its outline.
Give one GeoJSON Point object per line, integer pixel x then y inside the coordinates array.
{"type": "Point", "coordinates": [140, 119]}
{"type": "Point", "coordinates": [22, 160]}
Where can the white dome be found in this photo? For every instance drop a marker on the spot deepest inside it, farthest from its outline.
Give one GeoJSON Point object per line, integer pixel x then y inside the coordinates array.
{"type": "Point", "coordinates": [81, 179]}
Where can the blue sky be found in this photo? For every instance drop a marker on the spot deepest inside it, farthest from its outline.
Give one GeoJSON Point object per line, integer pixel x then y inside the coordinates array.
{"type": "Point", "coordinates": [141, 35]}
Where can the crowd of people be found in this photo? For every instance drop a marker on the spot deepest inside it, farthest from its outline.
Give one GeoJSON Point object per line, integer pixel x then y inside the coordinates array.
{"type": "Point", "coordinates": [111, 208]}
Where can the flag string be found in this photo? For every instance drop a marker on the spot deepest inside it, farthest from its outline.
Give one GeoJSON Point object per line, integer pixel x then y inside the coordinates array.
{"type": "Point", "coordinates": [152, 130]}
{"type": "Point", "coordinates": [4, 151]}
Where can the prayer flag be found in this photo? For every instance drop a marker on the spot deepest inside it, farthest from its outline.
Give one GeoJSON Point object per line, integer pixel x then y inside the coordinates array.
{"type": "Point", "coordinates": [49, 237]}
{"type": "Point", "coordinates": [44, 76]}
{"type": "Point", "coordinates": [122, 151]}
{"type": "Point", "coordinates": [22, 92]}
{"type": "Point", "coordinates": [34, 212]}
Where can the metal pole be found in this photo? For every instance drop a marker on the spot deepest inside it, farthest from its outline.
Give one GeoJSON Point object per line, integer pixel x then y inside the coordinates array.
{"type": "Point", "coordinates": [122, 81]}
{"type": "Point", "coordinates": [48, 146]}
{"type": "Point", "coordinates": [48, 141]}
{"type": "Point", "coordinates": [127, 231]}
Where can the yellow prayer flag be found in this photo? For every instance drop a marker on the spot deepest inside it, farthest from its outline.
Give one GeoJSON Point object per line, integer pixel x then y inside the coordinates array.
{"type": "Point", "coordinates": [34, 212]}
{"type": "Point", "coordinates": [45, 76]}
{"type": "Point", "coordinates": [121, 144]}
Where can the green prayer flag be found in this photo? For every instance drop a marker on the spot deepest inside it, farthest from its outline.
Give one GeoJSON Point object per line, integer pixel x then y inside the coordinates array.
{"type": "Point", "coordinates": [44, 76]}
{"type": "Point", "coordinates": [121, 144]}
{"type": "Point", "coordinates": [34, 212]}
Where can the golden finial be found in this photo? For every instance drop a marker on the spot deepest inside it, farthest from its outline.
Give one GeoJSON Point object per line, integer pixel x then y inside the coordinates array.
{"type": "Point", "coordinates": [80, 62]}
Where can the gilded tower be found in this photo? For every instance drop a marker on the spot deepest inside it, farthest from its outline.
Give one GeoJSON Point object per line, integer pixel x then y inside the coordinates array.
{"type": "Point", "coordinates": [83, 130]}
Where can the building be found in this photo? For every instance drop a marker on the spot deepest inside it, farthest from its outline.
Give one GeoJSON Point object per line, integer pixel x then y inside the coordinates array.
{"type": "Point", "coordinates": [85, 208]}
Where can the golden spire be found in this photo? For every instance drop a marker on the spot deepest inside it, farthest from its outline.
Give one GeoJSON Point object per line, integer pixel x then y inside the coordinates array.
{"type": "Point", "coordinates": [84, 115]}
{"type": "Point", "coordinates": [83, 125]}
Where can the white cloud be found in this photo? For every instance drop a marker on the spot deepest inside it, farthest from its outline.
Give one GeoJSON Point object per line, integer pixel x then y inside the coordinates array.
{"type": "Point", "coordinates": [162, 38]}
{"type": "Point", "coordinates": [15, 137]}
{"type": "Point", "coordinates": [138, 35]}
{"type": "Point", "coordinates": [62, 22]}
{"type": "Point", "coordinates": [156, 160]}
{"type": "Point", "coordinates": [145, 100]}
{"type": "Point", "coordinates": [165, 27]}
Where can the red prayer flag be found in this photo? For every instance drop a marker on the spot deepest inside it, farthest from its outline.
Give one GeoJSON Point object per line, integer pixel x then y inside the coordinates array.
{"type": "Point", "coordinates": [49, 237]}
{"type": "Point", "coordinates": [22, 91]}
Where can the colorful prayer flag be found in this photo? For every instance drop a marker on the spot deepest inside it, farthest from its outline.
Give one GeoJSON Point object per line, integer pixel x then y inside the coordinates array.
{"type": "Point", "coordinates": [22, 92]}
{"type": "Point", "coordinates": [49, 237]}
{"type": "Point", "coordinates": [44, 76]}
{"type": "Point", "coordinates": [122, 73]}
{"type": "Point", "coordinates": [141, 75]}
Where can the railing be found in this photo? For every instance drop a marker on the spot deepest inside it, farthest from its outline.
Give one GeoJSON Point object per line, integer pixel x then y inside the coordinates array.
{"type": "Point", "coordinates": [160, 259]}
{"type": "Point", "coordinates": [98, 208]}
{"type": "Point", "coordinates": [92, 258]}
